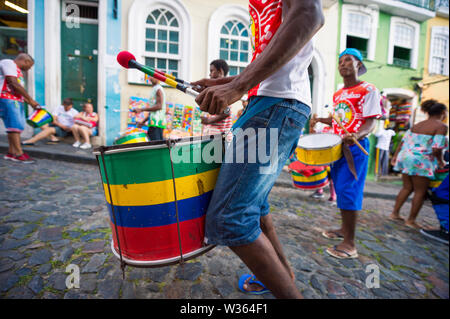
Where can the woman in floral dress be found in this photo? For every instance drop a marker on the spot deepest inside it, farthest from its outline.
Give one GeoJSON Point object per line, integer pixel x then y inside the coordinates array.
{"type": "Point", "coordinates": [418, 156]}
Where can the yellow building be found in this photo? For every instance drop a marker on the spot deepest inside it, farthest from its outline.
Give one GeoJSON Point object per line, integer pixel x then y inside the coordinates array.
{"type": "Point", "coordinates": [436, 71]}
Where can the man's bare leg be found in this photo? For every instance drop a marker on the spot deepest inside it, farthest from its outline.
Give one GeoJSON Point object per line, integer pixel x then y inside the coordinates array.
{"type": "Point", "coordinates": [269, 230]}
{"type": "Point", "coordinates": [262, 259]}
{"type": "Point", "coordinates": [14, 144]}
{"type": "Point", "coordinates": [349, 219]}
{"type": "Point", "coordinates": [46, 132]}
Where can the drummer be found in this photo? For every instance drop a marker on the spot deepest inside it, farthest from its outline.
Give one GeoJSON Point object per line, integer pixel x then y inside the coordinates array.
{"type": "Point", "coordinates": [357, 104]}
{"type": "Point", "coordinates": [238, 215]}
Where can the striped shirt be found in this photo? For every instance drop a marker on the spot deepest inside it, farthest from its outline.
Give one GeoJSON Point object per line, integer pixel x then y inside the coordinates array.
{"type": "Point", "coordinates": [219, 127]}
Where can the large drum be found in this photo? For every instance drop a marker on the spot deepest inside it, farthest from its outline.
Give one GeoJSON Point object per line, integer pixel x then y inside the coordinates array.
{"type": "Point", "coordinates": [39, 118]}
{"type": "Point", "coordinates": [319, 149]}
{"type": "Point", "coordinates": [150, 226]}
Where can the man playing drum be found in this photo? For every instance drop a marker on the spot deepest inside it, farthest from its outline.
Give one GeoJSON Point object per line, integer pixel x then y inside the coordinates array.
{"type": "Point", "coordinates": [357, 105]}
{"type": "Point", "coordinates": [238, 214]}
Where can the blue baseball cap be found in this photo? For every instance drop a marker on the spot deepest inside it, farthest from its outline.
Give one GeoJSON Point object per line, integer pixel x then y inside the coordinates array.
{"type": "Point", "coordinates": [357, 54]}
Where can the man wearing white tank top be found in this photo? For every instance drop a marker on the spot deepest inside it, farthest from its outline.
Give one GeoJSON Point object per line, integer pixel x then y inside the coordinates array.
{"type": "Point", "coordinates": [277, 84]}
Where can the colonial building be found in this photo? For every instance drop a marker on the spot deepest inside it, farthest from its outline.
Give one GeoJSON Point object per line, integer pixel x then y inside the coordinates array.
{"type": "Point", "coordinates": [436, 74]}
{"type": "Point", "coordinates": [392, 38]}
{"type": "Point", "coordinates": [75, 44]}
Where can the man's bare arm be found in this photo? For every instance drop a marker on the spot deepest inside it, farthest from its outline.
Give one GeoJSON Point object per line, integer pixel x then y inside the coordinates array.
{"type": "Point", "coordinates": [156, 107]}
{"type": "Point", "coordinates": [14, 84]}
{"type": "Point", "coordinates": [303, 20]}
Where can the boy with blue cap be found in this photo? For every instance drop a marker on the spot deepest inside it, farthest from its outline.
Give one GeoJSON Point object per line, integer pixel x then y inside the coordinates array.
{"type": "Point", "coordinates": [357, 105]}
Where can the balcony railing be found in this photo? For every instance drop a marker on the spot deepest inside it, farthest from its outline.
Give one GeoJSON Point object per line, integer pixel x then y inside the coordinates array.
{"type": "Point", "coordinates": [426, 4]}
{"type": "Point", "coordinates": [402, 63]}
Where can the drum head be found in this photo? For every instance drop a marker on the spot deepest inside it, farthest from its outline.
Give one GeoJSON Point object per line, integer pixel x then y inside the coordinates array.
{"type": "Point", "coordinates": [319, 141]}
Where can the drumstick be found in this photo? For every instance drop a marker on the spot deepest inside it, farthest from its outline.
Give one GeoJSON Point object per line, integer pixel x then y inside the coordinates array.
{"type": "Point", "coordinates": [170, 76]}
{"type": "Point", "coordinates": [345, 130]}
{"type": "Point", "coordinates": [127, 60]}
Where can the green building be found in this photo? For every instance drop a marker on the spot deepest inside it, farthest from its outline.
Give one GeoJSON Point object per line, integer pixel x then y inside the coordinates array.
{"type": "Point", "coordinates": [392, 37]}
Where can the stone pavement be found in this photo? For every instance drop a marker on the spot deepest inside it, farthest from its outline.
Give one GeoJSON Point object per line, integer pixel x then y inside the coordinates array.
{"type": "Point", "coordinates": [53, 214]}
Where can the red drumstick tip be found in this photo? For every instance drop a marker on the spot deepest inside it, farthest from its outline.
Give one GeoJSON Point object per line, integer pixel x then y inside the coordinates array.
{"type": "Point", "coordinates": [124, 58]}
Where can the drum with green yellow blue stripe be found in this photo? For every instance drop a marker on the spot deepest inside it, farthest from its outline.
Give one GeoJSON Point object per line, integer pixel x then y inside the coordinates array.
{"type": "Point", "coordinates": [139, 190]}
{"type": "Point", "coordinates": [132, 138]}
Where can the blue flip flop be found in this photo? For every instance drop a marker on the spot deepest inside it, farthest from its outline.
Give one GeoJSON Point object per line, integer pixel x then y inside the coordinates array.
{"type": "Point", "coordinates": [252, 280]}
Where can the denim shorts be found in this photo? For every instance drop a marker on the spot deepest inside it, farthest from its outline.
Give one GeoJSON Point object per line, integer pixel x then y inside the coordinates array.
{"type": "Point", "coordinates": [13, 114]}
{"type": "Point", "coordinates": [240, 196]}
{"type": "Point", "coordinates": [59, 131]}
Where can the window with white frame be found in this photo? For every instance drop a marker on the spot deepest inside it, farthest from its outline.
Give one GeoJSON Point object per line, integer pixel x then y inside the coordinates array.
{"type": "Point", "coordinates": [403, 42]}
{"type": "Point", "coordinates": [358, 32]}
{"type": "Point", "coordinates": [439, 56]}
{"type": "Point", "coordinates": [159, 35]}
{"type": "Point", "coordinates": [235, 46]}
{"type": "Point", "coordinates": [359, 29]}
{"type": "Point", "coordinates": [162, 34]}
{"type": "Point", "coordinates": [403, 45]}
{"type": "Point", "coordinates": [229, 37]}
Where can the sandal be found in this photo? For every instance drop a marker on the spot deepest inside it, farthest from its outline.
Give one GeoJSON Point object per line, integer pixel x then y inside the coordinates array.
{"type": "Point", "coordinates": [26, 144]}
{"type": "Point", "coordinates": [336, 236]}
{"type": "Point", "coordinates": [332, 252]}
{"type": "Point", "coordinates": [252, 280]}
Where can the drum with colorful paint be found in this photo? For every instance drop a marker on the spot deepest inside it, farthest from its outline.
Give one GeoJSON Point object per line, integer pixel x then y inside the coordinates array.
{"type": "Point", "coordinates": [309, 178]}
{"type": "Point", "coordinates": [319, 149]}
{"type": "Point", "coordinates": [39, 118]}
{"type": "Point", "coordinates": [132, 138]}
{"type": "Point", "coordinates": [139, 188]}
{"type": "Point", "coordinates": [439, 176]}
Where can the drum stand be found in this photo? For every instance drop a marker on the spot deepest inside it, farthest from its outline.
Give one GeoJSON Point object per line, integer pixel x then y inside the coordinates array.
{"type": "Point", "coordinates": [122, 262]}
{"type": "Point", "coordinates": [170, 143]}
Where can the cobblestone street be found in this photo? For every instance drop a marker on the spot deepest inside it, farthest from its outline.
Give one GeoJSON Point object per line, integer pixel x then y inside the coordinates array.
{"type": "Point", "coordinates": [54, 213]}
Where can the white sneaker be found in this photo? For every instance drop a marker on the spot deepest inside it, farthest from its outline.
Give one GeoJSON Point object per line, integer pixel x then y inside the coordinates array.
{"type": "Point", "coordinates": [85, 146]}
{"type": "Point", "coordinates": [76, 144]}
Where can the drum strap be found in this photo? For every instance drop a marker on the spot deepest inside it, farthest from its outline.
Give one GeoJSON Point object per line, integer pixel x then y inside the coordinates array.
{"type": "Point", "coordinates": [170, 143]}
{"type": "Point", "coordinates": [349, 158]}
{"type": "Point", "coordinates": [122, 262]}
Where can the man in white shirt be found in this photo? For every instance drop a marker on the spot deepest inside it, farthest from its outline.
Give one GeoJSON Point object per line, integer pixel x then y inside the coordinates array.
{"type": "Point", "coordinates": [384, 141]}
{"type": "Point", "coordinates": [61, 126]}
{"type": "Point", "coordinates": [12, 109]}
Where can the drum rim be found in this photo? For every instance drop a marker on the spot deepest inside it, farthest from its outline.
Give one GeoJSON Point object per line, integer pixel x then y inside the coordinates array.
{"type": "Point", "coordinates": [163, 262]}
{"type": "Point", "coordinates": [321, 148]}
{"type": "Point", "coordinates": [134, 134]}
{"type": "Point", "coordinates": [38, 110]}
{"type": "Point", "coordinates": [153, 144]}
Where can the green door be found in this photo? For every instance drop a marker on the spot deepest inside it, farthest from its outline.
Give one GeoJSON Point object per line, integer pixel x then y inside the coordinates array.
{"type": "Point", "coordinates": [79, 64]}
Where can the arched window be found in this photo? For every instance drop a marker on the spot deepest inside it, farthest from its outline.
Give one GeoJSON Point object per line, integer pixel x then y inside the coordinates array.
{"type": "Point", "coordinates": [159, 35]}
{"type": "Point", "coordinates": [229, 37]}
{"type": "Point", "coordinates": [162, 47]}
{"type": "Point", "coordinates": [235, 46]}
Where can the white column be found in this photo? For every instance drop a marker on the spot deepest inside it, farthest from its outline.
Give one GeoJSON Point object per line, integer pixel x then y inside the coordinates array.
{"type": "Point", "coordinates": [52, 54]}
{"type": "Point", "coordinates": [101, 74]}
